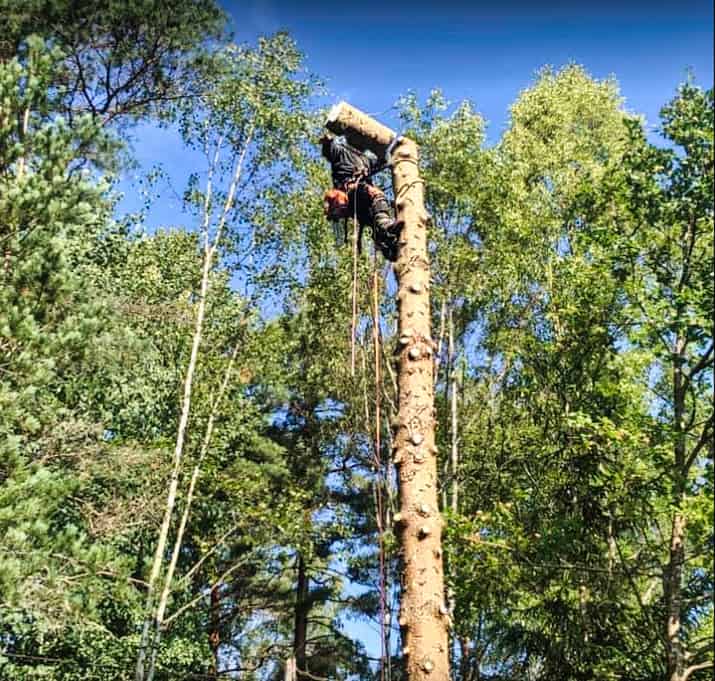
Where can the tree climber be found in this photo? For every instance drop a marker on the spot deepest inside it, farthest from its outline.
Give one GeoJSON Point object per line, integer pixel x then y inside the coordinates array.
{"type": "Point", "coordinates": [353, 194]}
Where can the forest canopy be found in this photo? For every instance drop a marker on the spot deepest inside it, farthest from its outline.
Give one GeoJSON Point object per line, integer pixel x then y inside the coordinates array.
{"type": "Point", "coordinates": [190, 486]}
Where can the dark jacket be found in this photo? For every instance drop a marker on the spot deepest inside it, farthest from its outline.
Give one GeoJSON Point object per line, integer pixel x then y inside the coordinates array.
{"type": "Point", "coordinates": [346, 162]}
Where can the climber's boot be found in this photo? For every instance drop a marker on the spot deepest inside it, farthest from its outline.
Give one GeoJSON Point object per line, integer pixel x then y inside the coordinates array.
{"type": "Point", "coordinates": [386, 230]}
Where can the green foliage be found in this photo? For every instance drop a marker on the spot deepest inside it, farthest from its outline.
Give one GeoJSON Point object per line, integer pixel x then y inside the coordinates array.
{"type": "Point", "coordinates": [572, 272]}
{"type": "Point", "coordinates": [598, 250]}
{"type": "Point", "coordinates": [123, 60]}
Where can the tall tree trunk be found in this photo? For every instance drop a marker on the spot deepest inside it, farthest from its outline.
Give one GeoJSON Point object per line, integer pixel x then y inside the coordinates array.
{"type": "Point", "coordinates": [673, 575]}
{"type": "Point", "coordinates": [454, 427]}
{"type": "Point", "coordinates": [424, 615]}
{"type": "Point", "coordinates": [152, 622]}
{"type": "Point", "coordinates": [215, 631]}
{"type": "Point", "coordinates": [452, 384]}
{"type": "Point", "coordinates": [302, 608]}
{"type": "Point", "coordinates": [178, 542]}
{"type": "Point", "coordinates": [464, 664]}
{"type": "Point", "coordinates": [672, 588]}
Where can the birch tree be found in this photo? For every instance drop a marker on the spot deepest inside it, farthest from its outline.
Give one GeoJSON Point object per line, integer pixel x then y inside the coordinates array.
{"type": "Point", "coordinates": [249, 122]}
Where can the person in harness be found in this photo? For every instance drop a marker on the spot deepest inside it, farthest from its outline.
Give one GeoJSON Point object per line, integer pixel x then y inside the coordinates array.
{"type": "Point", "coordinates": [354, 194]}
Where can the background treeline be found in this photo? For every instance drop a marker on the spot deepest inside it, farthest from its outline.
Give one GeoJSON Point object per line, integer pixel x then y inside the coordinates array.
{"type": "Point", "coordinates": [189, 485]}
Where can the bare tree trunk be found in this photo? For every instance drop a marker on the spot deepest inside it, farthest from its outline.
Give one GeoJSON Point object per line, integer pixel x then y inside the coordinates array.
{"type": "Point", "coordinates": [673, 575]}
{"type": "Point", "coordinates": [440, 339]}
{"type": "Point", "coordinates": [444, 333]}
{"type": "Point", "coordinates": [452, 383]}
{"type": "Point", "coordinates": [178, 542]}
{"type": "Point", "coordinates": [215, 632]}
{"type": "Point", "coordinates": [424, 614]}
{"type": "Point", "coordinates": [454, 430]}
{"type": "Point", "coordinates": [464, 662]}
{"type": "Point", "coordinates": [672, 588]}
{"type": "Point", "coordinates": [302, 608]}
{"type": "Point", "coordinates": [289, 671]}
{"type": "Point", "coordinates": [151, 621]}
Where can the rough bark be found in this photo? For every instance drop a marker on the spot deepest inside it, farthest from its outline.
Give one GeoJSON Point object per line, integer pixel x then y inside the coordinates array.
{"type": "Point", "coordinates": [215, 633]}
{"type": "Point", "coordinates": [423, 616]}
{"type": "Point", "coordinates": [673, 575]}
{"type": "Point", "coordinates": [673, 579]}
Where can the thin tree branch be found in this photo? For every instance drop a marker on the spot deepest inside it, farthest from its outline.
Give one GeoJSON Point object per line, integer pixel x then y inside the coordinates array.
{"type": "Point", "coordinates": [695, 668]}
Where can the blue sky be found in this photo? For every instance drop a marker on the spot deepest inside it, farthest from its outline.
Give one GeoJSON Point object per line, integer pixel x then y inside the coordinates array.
{"type": "Point", "coordinates": [372, 52]}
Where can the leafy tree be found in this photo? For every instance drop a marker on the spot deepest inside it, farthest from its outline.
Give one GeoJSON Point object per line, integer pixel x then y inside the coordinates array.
{"type": "Point", "coordinates": [50, 216]}
{"type": "Point", "coordinates": [669, 256]}
{"type": "Point", "coordinates": [551, 551]}
{"type": "Point", "coordinates": [123, 61]}
{"type": "Point", "coordinates": [54, 572]}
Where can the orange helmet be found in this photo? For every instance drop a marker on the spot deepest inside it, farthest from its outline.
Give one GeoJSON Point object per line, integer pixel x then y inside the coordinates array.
{"type": "Point", "coordinates": [335, 204]}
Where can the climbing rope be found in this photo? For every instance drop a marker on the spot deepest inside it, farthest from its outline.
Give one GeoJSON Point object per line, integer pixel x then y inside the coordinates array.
{"type": "Point", "coordinates": [379, 471]}
{"type": "Point", "coordinates": [353, 327]}
{"type": "Point", "coordinates": [380, 477]}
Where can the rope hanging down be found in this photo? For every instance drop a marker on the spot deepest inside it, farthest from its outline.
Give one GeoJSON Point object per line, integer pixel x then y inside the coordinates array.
{"type": "Point", "coordinates": [353, 327]}
{"type": "Point", "coordinates": [379, 474]}
{"type": "Point", "coordinates": [380, 479]}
